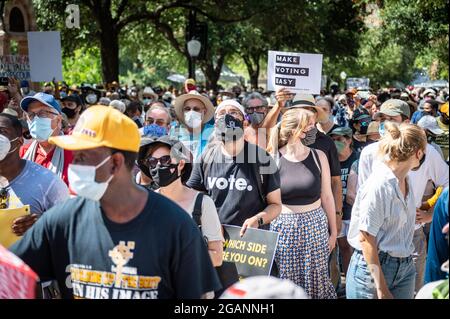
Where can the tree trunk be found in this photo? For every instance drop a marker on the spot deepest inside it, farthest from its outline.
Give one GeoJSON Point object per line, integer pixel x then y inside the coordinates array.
{"type": "Point", "coordinates": [252, 63]}
{"type": "Point", "coordinates": [212, 73]}
{"type": "Point", "coordinates": [109, 51]}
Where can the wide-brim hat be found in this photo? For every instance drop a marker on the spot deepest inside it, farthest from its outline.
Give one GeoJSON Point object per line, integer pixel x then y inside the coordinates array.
{"type": "Point", "coordinates": [179, 103]}
{"type": "Point", "coordinates": [304, 101]}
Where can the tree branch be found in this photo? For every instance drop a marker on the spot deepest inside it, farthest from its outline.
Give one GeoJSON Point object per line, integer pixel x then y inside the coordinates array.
{"type": "Point", "coordinates": [123, 4]}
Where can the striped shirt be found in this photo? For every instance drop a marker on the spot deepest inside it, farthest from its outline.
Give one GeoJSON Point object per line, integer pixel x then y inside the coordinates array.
{"type": "Point", "coordinates": [381, 210]}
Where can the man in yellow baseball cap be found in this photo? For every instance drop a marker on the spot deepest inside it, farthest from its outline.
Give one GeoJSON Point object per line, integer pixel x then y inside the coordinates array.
{"type": "Point", "coordinates": [114, 226]}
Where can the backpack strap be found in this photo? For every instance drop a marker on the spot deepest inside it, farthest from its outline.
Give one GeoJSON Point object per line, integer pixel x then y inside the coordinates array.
{"type": "Point", "coordinates": [317, 160]}
{"type": "Point", "coordinates": [197, 212]}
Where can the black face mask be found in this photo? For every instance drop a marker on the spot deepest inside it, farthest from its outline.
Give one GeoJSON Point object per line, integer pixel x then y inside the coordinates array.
{"type": "Point", "coordinates": [71, 113]}
{"type": "Point", "coordinates": [228, 128]}
{"type": "Point", "coordinates": [363, 128]}
{"type": "Point", "coordinates": [310, 137]}
{"type": "Point", "coordinates": [422, 160]}
{"type": "Point", "coordinates": [162, 175]}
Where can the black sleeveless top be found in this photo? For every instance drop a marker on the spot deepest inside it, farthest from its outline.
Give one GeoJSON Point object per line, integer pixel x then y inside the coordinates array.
{"type": "Point", "coordinates": [300, 182]}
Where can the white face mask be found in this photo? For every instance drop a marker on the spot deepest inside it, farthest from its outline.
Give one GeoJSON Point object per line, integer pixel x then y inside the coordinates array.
{"type": "Point", "coordinates": [193, 119]}
{"type": "Point", "coordinates": [91, 98]}
{"type": "Point", "coordinates": [82, 180]}
{"type": "Point", "coordinates": [5, 146]}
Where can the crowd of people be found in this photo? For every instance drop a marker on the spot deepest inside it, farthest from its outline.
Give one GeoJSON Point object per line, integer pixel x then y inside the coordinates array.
{"type": "Point", "coordinates": [128, 187]}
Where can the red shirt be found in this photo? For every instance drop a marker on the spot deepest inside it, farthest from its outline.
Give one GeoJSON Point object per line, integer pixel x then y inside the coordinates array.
{"type": "Point", "coordinates": [45, 160]}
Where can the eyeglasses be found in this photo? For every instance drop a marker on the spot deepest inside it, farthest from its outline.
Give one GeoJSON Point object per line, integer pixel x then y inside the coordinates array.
{"type": "Point", "coordinates": [41, 114]}
{"type": "Point", "coordinates": [152, 162]}
{"type": "Point", "coordinates": [159, 122]}
{"type": "Point", "coordinates": [4, 197]}
{"type": "Point", "coordinates": [192, 108]}
{"type": "Point", "coordinates": [258, 109]}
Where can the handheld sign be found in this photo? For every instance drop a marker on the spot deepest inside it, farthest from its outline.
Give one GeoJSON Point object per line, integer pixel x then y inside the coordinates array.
{"type": "Point", "coordinates": [358, 83]}
{"type": "Point", "coordinates": [16, 66]}
{"type": "Point", "coordinates": [7, 217]}
{"type": "Point", "coordinates": [44, 50]}
{"type": "Point", "coordinates": [253, 253]}
{"type": "Point", "coordinates": [299, 72]}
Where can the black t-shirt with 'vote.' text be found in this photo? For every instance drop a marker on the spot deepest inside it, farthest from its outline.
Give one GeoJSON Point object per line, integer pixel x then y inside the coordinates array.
{"type": "Point", "coordinates": [232, 182]}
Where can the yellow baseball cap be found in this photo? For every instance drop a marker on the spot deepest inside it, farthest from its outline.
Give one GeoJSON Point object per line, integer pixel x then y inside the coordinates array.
{"type": "Point", "coordinates": [444, 108]}
{"type": "Point", "coordinates": [101, 126]}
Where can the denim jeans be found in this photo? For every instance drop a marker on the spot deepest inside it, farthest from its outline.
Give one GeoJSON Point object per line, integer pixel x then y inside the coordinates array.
{"type": "Point", "coordinates": [399, 274]}
{"type": "Point", "coordinates": [419, 256]}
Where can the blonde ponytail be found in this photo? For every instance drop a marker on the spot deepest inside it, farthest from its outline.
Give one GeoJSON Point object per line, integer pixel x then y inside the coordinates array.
{"type": "Point", "coordinates": [400, 142]}
{"type": "Point", "coordinates": [292, 123]}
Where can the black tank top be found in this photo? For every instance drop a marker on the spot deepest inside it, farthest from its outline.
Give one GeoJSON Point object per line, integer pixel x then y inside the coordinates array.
{"type": "Point", "coordinates": [300, 182]}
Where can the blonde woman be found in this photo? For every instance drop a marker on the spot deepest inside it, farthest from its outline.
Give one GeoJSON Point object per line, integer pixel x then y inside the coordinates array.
{"type": "Point", "coordinates": [383, 218]}
{"type": "Point", "coordinates": [307, 223]}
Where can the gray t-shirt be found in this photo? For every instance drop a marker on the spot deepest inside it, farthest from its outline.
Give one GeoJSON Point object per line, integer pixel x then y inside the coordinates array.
{"type": "Point", "coordinates": [36, 186]}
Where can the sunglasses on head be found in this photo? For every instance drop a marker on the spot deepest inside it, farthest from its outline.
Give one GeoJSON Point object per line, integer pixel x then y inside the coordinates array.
{"type": "Point", "coordinates": [165, 160]}
{"type": "Point", "coordinates": [4, 196]}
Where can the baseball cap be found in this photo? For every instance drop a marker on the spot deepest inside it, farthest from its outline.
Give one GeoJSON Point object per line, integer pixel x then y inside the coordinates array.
{"type": "Point", "coordinates": [444, 108]}
{"type": "Point", "coordinates": [177, 148]}
{"type": "Point", "coordinates": [101, 126]}
{"type": "Point", "coordinates": [190, 81]}
{"type": "Point", "coordinates": [429, 123]}
{"type": "Point", "coordinates": [230, 102]}
{"type": "Point", "coordinates": [44, 98]}
{"type": "Point", "coordinates": [342, 131]}
{"type": "Point", "coordinates": [394, 107]}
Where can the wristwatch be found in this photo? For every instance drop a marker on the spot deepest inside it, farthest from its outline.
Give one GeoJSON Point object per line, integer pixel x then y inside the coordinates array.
{"type": "Point", "coordinates": [260, 221]}
{"type": "Point", "coordinates": [340, 214]}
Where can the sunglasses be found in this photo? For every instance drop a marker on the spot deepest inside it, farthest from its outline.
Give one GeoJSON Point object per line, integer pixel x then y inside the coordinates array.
{"type": "Point", "coordinates": [165, 160]}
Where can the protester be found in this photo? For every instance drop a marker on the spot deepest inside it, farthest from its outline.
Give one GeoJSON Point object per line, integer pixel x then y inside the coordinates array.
{"type": "Point", "coordinates": [321, 141]}
{"type": "Point", "coordinates": [134, 112]}
{"type": "Point", "coordinates": [259, 118]}
{"type": "Point", "coordinates": [43, 115]}
{"type": "Point", "coordinates": [360, 124]}
{"type": "Point", "coordinates": [23, 182]}
{"type": "Point", "coordinates": [342, 137]}
{"type": "Point", "coordinates": [72, 107]}
{"type": "Point", "coordinates": [327, 125]}
{"type": "Point", "coordinates": [115, 223]}
{"type": "Point", "coordinates": [443, 122]}
{"type": "Point", "coordinates": [307, 223]}
{"type": "Point", "coordinates": [373, 134]}
{"type": "Point", "coordinates": [437, 244]}
{"type": "Point", "coordinates": [433, 168]}
{"type": "Point", "coordinates": [383, 218]}
{"type": "Point", "coordinates": [157, 121]}
{"type": "Point", "coordinates": [429, 124]}
{"type": "Point", "coordinates": [193, 111]}
{"type": "Point", "coordinates": [170, 166]}
{"type": "Point", "coordinates": [241, 178]}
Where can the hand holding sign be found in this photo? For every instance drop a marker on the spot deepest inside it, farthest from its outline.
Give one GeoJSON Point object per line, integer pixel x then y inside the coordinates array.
{"type": "Point", "coordinates": [250, 222]}
{"type": "Point", "coordinates": [283, 95]}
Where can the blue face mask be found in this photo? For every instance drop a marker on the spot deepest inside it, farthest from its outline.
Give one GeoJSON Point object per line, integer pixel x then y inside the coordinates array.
{"type": "Point", "coordinates": [154, 130]}
{"type": "Point", "coordinates": [381, 129]}
{"type": "Point", "coordinates": [40, 128]}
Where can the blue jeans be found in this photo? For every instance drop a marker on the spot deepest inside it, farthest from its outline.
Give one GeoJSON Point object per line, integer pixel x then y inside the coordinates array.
{"type": "Point", "coordinates": [399, 274]}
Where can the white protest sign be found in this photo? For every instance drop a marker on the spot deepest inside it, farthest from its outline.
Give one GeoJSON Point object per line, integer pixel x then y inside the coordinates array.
{"type": "Point", "coordinates": [44, 51]}
{"type": "Point", "coordinates": [16, 66]}
{"type": "Point", "coordinates": [362, 83]}
{"type": "Point", "coordinates": [299, 72]}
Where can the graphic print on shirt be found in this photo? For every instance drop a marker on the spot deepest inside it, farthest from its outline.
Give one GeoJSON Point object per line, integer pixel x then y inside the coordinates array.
{"type": "Point", "coordinates": [121, 283]}
{"type": "Point", "coordinates": [231, 183]}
